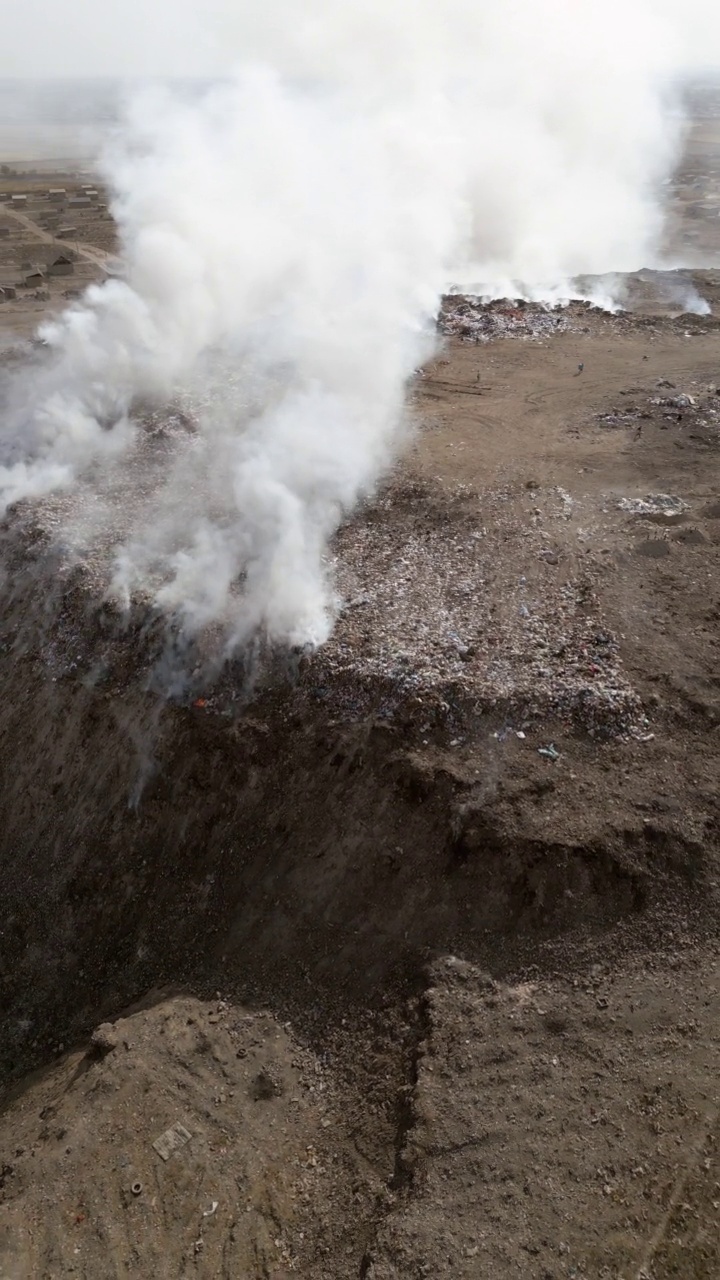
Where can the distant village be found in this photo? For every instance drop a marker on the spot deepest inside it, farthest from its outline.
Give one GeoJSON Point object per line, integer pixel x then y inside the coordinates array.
{"type": "Point", "coordinates": [51, 236]}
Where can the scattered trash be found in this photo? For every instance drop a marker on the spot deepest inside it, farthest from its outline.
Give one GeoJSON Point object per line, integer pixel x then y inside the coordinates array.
{"type": "Point", "coordinates": [200, 702]}
{"type": "Point", "coordinates": [567, 501]}
{"type": "Point", "coordinates": [654, 504]}
{"type": "Point", "coordinates": [433, 587]}
{"type": "Point", "coordinates": [171, 1140]}
{"type": "Point", "coordinates": [136, 1188]}
{"type": "Point", "coordinates": [581, 366]}
{"type": "Point", "coordinates": [550, 752]}
{"type": "Point", "coordinates": [519, 734]}
{"type": "Point", "coordinates": [208, 1213]}
{"type": "Point", "coordinates": [698, 410]}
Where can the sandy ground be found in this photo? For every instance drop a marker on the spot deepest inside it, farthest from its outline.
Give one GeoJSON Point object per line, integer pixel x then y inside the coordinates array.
{"type": "Point", "coordinates": [439, 907]}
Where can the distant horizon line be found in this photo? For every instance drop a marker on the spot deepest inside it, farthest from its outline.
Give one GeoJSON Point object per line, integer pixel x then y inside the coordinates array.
{"type": "Point", "coordinates": [109, 79]}
{"type": "Point", "coordinates": [59, 77]}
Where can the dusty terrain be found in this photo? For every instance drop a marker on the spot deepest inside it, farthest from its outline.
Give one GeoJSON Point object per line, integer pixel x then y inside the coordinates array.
{"type": "Point", "coordinates": [415, 939]}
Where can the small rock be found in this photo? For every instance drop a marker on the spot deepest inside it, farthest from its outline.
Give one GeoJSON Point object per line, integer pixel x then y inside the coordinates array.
{"type": "Point", "coordinates": [104, 1039]}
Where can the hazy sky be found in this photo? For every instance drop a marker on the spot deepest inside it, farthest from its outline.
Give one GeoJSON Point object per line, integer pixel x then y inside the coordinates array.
{"type": "Point", "coordinates": [144, 37]}
{"type": "Point", "coordinates": [109, 38]}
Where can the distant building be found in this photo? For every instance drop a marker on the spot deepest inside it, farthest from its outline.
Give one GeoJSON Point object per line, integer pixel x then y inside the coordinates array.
{"type": "Point", "coordinates": [67, 233]}
{"type": "Point", "coordinates": [79, 202]}
{"type": "Point", "coordinates": [18, 199]}
{"type": "Point", "coordinates": [57, 194]}
{"type": "Point", "coordinates": [35, 279]}
{"type": "Point", "coordinates": [60, 265]}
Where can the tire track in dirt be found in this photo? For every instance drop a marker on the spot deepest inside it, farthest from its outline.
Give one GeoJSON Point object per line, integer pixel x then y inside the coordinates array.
{"type": "Point", "coordinates": [598, 387]}
{"type": "Point", "coordinates": [441, 392]}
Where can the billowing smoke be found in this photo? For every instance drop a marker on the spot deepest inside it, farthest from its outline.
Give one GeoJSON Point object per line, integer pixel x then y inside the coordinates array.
{"type": "Point", "coordinates": [287, 236]}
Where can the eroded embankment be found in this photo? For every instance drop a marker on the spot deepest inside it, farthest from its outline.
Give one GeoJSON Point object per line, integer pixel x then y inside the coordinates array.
{"type": "Point", "coordinates": [312, 834]}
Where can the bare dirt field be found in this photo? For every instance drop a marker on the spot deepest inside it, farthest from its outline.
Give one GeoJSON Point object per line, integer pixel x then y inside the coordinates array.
{"type": "Point", "coordinates": [403, 961]}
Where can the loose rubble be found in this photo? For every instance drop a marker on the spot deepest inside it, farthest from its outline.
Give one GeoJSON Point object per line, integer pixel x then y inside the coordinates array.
{"type": "Point", "coordinates": [697, 413]}
{"type": "Point", "coordinates": [461, 604]}
{"type": "Point", "coordinates": [655, 504]}
{"type": "Point", "coordinates": [431, 611]}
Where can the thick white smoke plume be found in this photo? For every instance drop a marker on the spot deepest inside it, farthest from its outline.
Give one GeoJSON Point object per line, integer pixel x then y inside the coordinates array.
{"type": "Point", "coordinates": [287, 235]}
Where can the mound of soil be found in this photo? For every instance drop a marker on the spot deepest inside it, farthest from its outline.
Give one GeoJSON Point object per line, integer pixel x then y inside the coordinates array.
{"type": "Point", "coordinates": [187, 1139]}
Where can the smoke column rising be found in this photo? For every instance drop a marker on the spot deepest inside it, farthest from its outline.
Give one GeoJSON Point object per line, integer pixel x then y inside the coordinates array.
{"type": "Point", "coordinates": [287, 236]}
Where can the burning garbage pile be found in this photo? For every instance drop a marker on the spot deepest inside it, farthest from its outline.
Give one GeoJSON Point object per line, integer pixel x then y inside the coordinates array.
{"type": "Point", "coordinates": [473, 320]}
{"type": "Point", "coordinates": [452, 605]}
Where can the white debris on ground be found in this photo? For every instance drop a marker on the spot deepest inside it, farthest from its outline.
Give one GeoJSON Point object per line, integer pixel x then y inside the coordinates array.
{"type": "Point", "coordinates": [466, 599]}
{"type": "Point", "coordinates": [699, 411]}
{"type": "Point", "coordinates": [654, 504]}
{"type": "Point", "coordinates": [675, 402]}
{"type": "Point", "coordinates": [473, 320]}
{"type": "Point", "coordinates": [476, 604]}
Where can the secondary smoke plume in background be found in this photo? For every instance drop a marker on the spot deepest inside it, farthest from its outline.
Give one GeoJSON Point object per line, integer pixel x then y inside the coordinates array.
{"type": "Point", "coordinates": [288, 232]}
